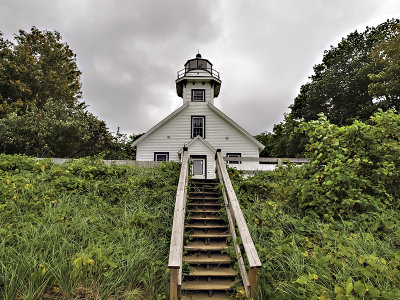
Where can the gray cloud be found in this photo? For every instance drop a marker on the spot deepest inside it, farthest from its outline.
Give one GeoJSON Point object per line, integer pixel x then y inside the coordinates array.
{"type": "Point", "coordinates": [129, 51]}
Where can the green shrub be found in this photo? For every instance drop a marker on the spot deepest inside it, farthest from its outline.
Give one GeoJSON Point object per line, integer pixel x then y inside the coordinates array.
{"type": "Point", "coordinates": [330, 229]}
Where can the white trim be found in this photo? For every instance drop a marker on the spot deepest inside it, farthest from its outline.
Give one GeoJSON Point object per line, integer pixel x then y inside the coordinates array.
{"type": "Point", "coordinates": [202, 140]}
{"type": "Point", "coordinates": [161, 123]}
{"type": "Point", "coordinates": [236, 125]}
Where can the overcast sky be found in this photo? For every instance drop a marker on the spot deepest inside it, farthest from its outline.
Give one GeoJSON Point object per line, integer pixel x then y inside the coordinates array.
{"type": "Point", "coordinates": [129, 51]}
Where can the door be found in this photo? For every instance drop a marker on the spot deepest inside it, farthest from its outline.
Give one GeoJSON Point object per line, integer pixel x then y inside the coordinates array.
{"type": "Point", "coordinates": [198, 166]}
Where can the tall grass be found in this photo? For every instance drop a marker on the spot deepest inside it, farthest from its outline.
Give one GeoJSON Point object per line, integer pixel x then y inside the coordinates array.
{"type": "Point", "coordinates": [84, 229]}
{"type": "Point", "coordinates": [305, 257]}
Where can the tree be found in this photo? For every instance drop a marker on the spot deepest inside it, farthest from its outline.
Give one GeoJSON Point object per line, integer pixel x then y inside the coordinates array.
{"type": "Point", "coordinates": [339, 86]}
{"type": "Point", "coordinates": [385, 79]}
{"type": "Point", "coordinates": [54, 131]}
{"type": "Point", "coordinates": [284, 141]}
{"type": "Point", "coordinates": [354, 80]}
{"type": "Point", "coordinates": [37, 67]}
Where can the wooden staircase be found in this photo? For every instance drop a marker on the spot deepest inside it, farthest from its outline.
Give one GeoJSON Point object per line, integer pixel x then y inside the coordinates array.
{"type": "Point", "coordinates": [198, 264]}
{"type": "Point", "coordinates": [207, 272]}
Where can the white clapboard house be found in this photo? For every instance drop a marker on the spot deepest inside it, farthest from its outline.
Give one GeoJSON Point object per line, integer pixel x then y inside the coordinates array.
{"type": "Point", "coordinates": [197, 125]}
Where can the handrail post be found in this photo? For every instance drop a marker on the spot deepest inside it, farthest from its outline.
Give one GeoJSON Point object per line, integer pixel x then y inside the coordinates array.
{"type": "Point", "coordinates": [173, 283]}
{"type": "Point", "coordinates": [253, 283]}
{"type": "Point", "coordinates": [176, 246]}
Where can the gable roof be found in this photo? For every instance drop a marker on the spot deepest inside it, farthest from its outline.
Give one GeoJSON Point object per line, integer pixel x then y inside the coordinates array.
{"type": "Point", "coordinates": [236, 125]}
{"type": "Point", "coordinates": [161, 123]}
{"type": "Point", "coordinates": [199, 138]}
{"type": "Point", "coordinates": [212, 108]}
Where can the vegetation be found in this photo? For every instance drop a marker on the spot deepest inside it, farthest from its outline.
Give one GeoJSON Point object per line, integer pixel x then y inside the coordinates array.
{"type": "Point", "coordinates": [355, 79]}
{"type": "Point", "coordinates": [41, 112]}
{"type": "Point", "coordinates": [84, 229]}
{"type": "Point", "coordinates": [330, 229]}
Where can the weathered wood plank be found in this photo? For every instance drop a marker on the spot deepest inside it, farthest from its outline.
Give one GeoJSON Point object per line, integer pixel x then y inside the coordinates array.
{"type": "Point", "coordinates": [173, 284]}
{"type": "Point", "coordinates": [253, 283]}
{"type": "Point", "coordinates": [239, 257]}
{"type": "Point", "coordinates": [248, 244]}
{"type": "Point", "coordinates": [176, 246]}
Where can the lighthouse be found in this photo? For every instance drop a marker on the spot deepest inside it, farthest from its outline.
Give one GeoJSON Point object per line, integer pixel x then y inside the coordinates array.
{"type": "Point", "coordinates": [197, 125]}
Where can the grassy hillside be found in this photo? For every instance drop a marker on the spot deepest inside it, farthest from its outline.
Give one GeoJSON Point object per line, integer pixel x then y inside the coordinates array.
{"type": "Point", "coordinates": [330, 229]}
{"type": "Point", "coordinates": [84, 229]}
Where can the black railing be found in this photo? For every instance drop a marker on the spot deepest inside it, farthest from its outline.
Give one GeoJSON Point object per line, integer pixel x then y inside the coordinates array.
{"type": "Point", "coordinates": [213, 72]}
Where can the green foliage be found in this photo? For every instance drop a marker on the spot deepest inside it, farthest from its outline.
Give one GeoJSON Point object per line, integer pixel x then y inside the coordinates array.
{"type": "Point", "coordinates": [354, 169]}
{"type": "Point", "coordinates": [339, 86]}
{"type": "Point", "coordinates": [54, 131]}
{"type": "Point", "coordinates": [84, 229]}
{"type": "Point", "coordinates": [385, 82]}
{"type": "Point", "coordinates": [330, 229]}
{"type": "Point", "coordinates": [284, 141]}
{"type": "Point", "coordinates": [355, 79]}
{"type": "Point", "coordinates": [37, 67]}
{"type": "Point", "coordinates": [40, 112]}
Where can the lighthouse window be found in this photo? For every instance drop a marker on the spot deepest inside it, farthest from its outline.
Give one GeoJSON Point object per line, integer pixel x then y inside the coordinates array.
{"type": "Point", "coordinates": [198, 95]}
{"type": "Point", "coordinates": [198, 126]}
{"type": "Point", "coordinates": [161, 156]}
{"type": "Point", "coordinates": [234, 155]}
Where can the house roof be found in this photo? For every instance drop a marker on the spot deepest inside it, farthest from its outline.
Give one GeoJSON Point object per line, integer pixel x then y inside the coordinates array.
{"type": "Point", "coordinates": [161, 123]}
{"type": "Point", "coordinates": [199, 138]}
{"type": "Point", "coordinates": [236, 125]}
{"type": "Point", "coordinates": [212, 108]}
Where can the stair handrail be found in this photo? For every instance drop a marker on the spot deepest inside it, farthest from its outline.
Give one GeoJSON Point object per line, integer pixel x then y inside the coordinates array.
{"type": "Point", "coordinates": [233, 208]}
{"type": "Point", "coordinates": [176, 246]}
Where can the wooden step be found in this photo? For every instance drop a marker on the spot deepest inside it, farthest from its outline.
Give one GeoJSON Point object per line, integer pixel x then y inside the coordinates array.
{"type": "Point", "coordinates": [210, 235]}
{"type": "Point", "coordinates": [204, 194]}
{"type": "Point", "coordinates": [208, 199]}
{"type": "Point", "coordinates": [205, 218]}
{"type": "Point", "coordinates": [199, 203]}
{"type": "Point", "coordinates": [205, 210]}
{"type": "Point", "coordinates": [214, 285]}
{"type": "Point", "coordinates": [206, 226]}
{"type": "Point", "coordinates": [214, 271]}
{"type": "Point", "coordinates": [211, 259]}
{"type": "Point", "coordinates": [205, 181]}
{"type": "Point", "coordinates": [201, 246]}
{"type": "Point", "coordinates": [205, 296]}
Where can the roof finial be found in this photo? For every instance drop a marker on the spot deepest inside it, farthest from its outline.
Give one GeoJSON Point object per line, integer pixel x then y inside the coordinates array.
{"type": "Point", "coordinates": [198, 55]}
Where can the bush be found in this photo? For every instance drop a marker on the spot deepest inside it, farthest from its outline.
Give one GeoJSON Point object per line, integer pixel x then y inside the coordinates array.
{"type": "Point", "coordinates": [330, 229]}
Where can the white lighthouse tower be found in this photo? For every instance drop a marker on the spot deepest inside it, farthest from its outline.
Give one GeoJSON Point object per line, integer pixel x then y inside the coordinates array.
{"type": "Point", "coordinates": [198, 81]}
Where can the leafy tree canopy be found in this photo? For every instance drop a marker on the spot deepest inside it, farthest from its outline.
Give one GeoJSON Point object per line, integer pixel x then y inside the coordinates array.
{"type": "Point", "coordinates": [40, 109]}
{"type": "Point", "coordinates": [35, 67]}
{"type": "Point", "coordinates": [341, 84]}
{"type": "Point", "coordinates": [354, 80]}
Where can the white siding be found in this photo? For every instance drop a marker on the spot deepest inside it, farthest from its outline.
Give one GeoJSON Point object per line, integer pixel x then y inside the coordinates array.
{"type": "Point", "coordinates": [219, 134]}
{"type": "Point", "coordinates": [187, 91]}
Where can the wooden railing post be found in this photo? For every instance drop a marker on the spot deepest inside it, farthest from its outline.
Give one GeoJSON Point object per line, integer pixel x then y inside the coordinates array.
{"type": "Point", "coordinates": [173, 283]}
{"type": "Point", "coordinates": [253, 283]}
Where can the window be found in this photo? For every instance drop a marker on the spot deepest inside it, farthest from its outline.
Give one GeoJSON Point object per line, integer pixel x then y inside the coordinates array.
{"type": "Point", "coordinates": [198, 95]}
{"type": "Point", "coordinates": [198, 126]}
{"type": "Point", "coordinates": [234, 155]}
{"type": "Point", "coordinates": [161, 156]}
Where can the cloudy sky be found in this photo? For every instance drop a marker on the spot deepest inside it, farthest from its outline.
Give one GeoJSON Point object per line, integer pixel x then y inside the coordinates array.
{"type": "Point", "coordinates": [130, 50]}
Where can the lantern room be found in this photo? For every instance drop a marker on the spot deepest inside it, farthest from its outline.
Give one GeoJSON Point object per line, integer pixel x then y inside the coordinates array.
{"type": "Point", "coordinates": [198, 71]}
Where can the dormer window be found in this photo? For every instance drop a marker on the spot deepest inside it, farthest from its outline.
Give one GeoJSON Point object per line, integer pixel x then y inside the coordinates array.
{"type": "Point", "coordinates": [198, 95]}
